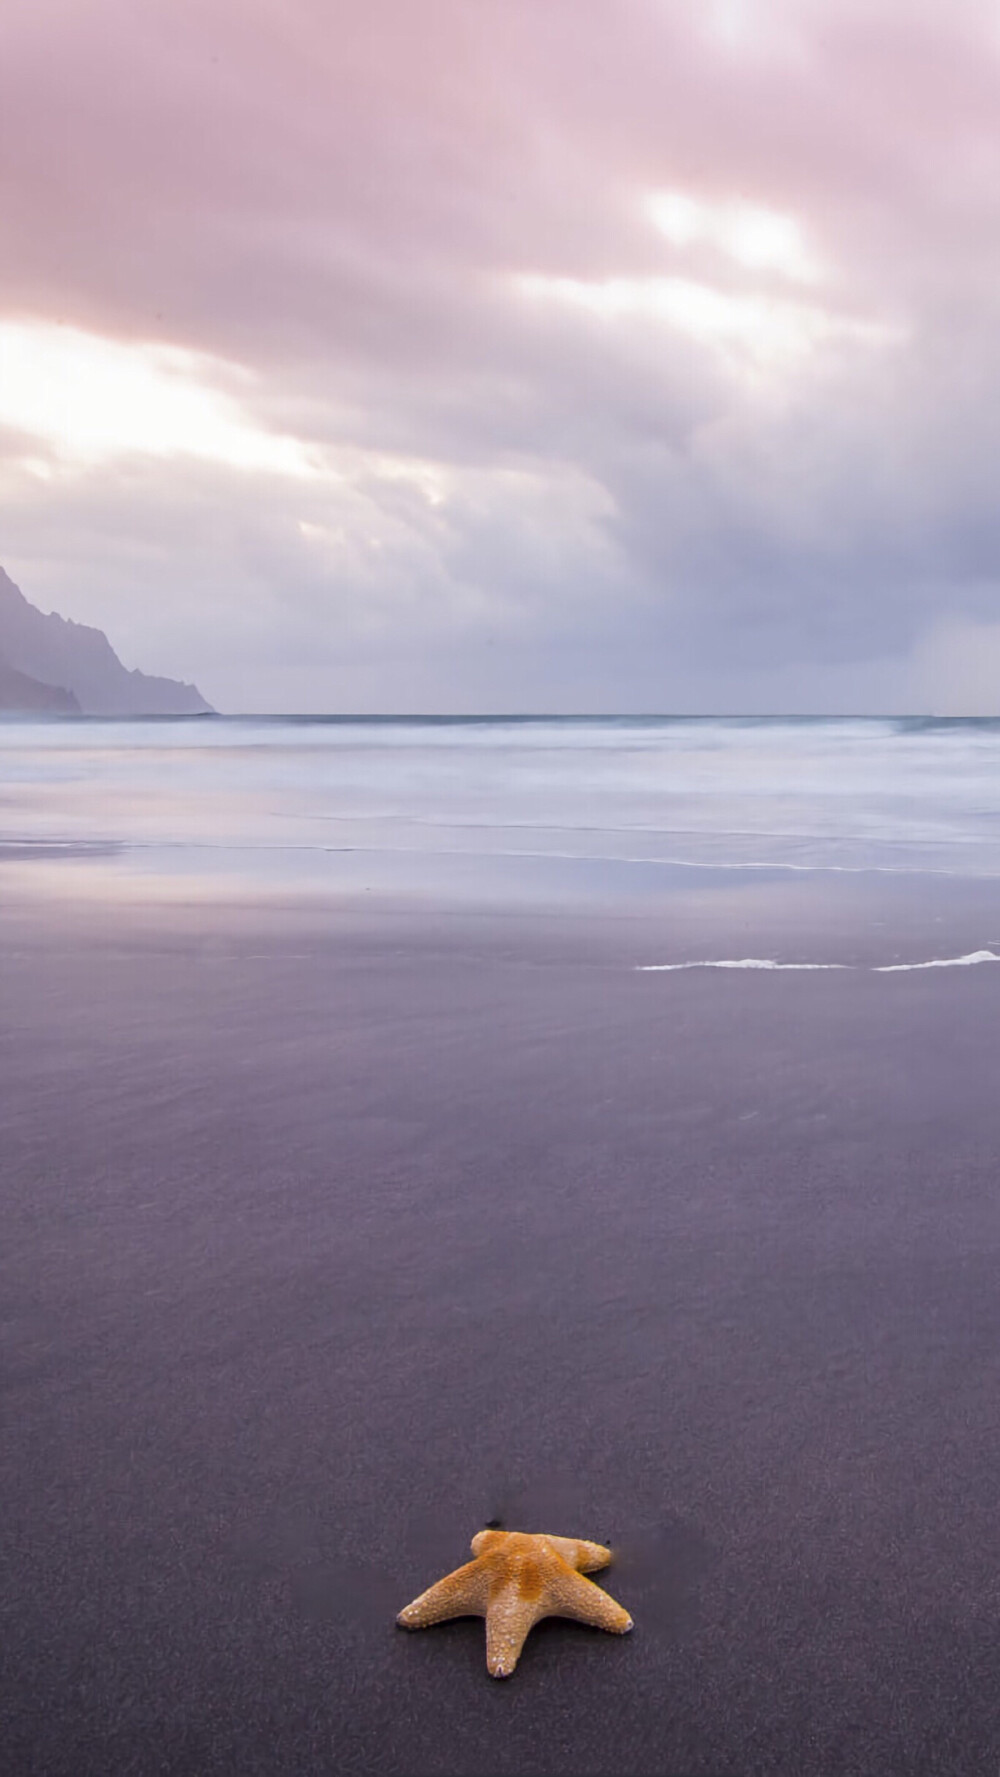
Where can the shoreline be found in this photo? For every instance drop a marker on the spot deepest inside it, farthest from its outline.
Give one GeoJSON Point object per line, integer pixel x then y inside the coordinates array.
{"type": "Point", "coordinates": [859, 920]}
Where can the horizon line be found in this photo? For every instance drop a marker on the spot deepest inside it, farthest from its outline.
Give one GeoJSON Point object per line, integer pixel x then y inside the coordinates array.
{"type": "Point", "coordinates": [251, 715]}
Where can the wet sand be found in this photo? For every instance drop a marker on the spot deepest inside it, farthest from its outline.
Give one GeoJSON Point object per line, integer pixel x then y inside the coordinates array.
{"type": "Point", "coordinates": [326, 1242]}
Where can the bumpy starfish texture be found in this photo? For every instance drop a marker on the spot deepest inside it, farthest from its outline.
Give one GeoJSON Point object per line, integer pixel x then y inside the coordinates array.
{"type": "Point", "coordinates": [514, 1581]}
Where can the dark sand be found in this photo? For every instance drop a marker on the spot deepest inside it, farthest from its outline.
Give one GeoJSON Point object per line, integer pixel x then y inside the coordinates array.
{"type": "Point", "coordinates": [322, 1248]}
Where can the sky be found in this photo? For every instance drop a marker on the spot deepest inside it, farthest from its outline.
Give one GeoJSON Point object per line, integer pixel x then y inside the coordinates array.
{"type": "Point", "coordinates": [500, 355]}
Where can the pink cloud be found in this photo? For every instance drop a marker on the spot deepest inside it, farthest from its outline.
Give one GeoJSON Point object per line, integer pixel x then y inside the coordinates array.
{"type": "Point", "coordinates": [342, 199]}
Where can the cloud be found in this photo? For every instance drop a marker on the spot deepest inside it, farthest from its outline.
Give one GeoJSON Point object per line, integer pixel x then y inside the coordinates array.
{"type": "Point", "coordinates": [955, 667]}
{"type": "Point", "coordinates": [621, 355]}
{"type": "Point", "coordinates": [95, 399]}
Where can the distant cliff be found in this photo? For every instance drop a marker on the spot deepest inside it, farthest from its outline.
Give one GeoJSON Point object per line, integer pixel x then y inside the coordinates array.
{"type": "Point", "coordinates": [21, 694]}
{"type": "Point", "coordinates": [49, 655]}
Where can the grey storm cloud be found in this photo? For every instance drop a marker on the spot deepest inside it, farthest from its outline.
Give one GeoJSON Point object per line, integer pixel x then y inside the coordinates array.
{"type": "Point", "coordinates": [550, 454]}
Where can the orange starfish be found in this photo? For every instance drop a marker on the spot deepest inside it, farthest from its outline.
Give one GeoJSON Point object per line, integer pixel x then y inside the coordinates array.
{"type": "Point", "coordinates": [514, 1581]}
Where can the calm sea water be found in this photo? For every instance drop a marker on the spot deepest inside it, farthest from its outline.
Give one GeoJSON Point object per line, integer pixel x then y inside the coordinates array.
{"type": "Point", "coordinates": [413, 803]}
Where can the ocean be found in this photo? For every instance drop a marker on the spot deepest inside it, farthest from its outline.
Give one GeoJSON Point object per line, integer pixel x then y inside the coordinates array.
{"type": "Point", "coordinates": [537, 808]}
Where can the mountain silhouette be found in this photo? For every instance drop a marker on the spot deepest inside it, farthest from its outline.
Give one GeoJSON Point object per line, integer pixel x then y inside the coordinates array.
{"type": "Point", "coordinates": [48, 662]}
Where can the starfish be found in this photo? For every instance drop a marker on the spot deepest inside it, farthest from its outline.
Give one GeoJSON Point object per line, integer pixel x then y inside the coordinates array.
{"type": "Point", "coordinates": [514, 1581]}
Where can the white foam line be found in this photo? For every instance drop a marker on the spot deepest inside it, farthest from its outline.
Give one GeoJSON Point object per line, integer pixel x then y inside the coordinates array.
{"type": "Point", "coordinates": [940, 962]}
{"type": "Point", "coordinates": [766, 962]}
{"type": "Point", "coordinates": [746, 962]}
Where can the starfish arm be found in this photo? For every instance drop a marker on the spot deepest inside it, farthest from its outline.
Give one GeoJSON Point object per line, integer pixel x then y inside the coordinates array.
{"type": "Point", "coordinates": [585, 1557]}
{"type": "Point", "coordinates": [509, 1620]}
{"type": "Point", "coordinates": [459, 1594]}
{"type": "Point", "coordinates": [583, 1601]}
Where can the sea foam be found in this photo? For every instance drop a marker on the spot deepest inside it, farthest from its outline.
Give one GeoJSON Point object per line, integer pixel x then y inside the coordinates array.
{"type": "Point", "coordinates": [939, 962]}
{"type": "Point", "coordinates": [767, 962]}
{"type": "Point", "coordinates": [745, 962]}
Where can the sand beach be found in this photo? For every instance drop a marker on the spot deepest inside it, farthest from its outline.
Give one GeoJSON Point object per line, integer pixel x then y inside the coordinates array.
{"type": "Point", "coordinates": [329, 1238]}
